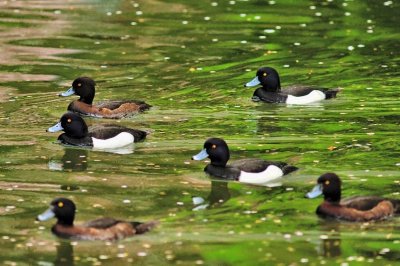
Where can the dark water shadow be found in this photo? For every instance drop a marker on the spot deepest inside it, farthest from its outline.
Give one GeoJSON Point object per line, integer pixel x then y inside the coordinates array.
{"type": "Point", "coordinates": [219, 194]}
{"type": "Point", "coordinates": [335, 235]}
{"type": "Point", "coordinates": [330, 247]}
{"type": "Point", "coordinates": [73, 160]}
{"type": "Point", "coordinates": [65, 254]}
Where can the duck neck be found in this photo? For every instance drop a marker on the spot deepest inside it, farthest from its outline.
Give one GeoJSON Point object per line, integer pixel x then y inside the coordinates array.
{"type": "Point", "coordinates": [219, 163]}
{"type": "Point", "coordinates": [220, 160]}
{"type": "Point", "coordinates": [333, 197]}
{"type": "Point", "coordinates": [88, 99]}
{"type": "Point", "coordinates": [272, 88]}
{"type": "Point", "coordinates": [66, 221]}
{"type": "Point", "coordinates": [272, 85]}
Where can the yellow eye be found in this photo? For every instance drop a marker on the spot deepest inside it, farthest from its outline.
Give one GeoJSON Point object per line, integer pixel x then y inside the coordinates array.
{"type": "Point", "coordinates": [69, 120]}
{"type": "Point", "coordinates": [265, 74]}
{"type": "Point", "coordinates": [60, 204]}
{"type": "Point", "coordinates": [79, 84]}
{"type": "Point", "coordinates": [327, 182]}
{"type": "Point", "coordinates": [213, 146]}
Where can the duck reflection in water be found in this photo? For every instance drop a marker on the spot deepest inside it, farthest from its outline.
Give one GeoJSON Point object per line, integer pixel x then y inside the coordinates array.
{"type": "Point", "coordinates": [65, 254]}
{"type": "Point", "coordinates": [74, 160]}
{"type": "Point", "coordinates": [219, 194]}
{"type": "Point", "coordinates": [330, 245]}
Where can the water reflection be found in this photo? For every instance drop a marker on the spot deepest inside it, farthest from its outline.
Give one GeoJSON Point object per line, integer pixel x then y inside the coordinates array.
{"type": "Point", "coordinates": [330, 245]}
{"type": "Point", "coordinates": [123, 150]}
{"type": "Point", "coordinates": [334, 235]}
{"type": "Point", "coordinates": [65, 254]}
{"type": "Point", "coordinates": [278, 118]}
{"type": "Point", "coordinates": [219, 194]}
{"type": "Point", "coordinates": [74, 160]}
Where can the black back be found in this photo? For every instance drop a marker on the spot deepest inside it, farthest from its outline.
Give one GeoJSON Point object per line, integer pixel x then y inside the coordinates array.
{"type": "Point", "coordinates": [110, 131]}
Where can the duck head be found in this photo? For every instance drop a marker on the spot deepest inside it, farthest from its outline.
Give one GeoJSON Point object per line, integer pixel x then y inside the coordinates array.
{"type": "Point", "coordinates": [329, 185]}
{"type": "Point", "coordinates": [83, 87]}
{"type": "Point", "coordinates": [216, 149]}
{"type": "Point", "coordinates": [72, 124]}
{"type": "Point", "coordinates": [61, 208]}
{"type": "Point", "coordinates": [268, 78]}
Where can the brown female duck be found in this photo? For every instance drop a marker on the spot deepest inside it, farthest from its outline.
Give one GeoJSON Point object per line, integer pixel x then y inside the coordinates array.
{"type": "Point", "coordinates": [100, 229]}
{"type": "Point", "coordinates": [85, 88]}
{"type": "Point", "coordinates": [357, 208]}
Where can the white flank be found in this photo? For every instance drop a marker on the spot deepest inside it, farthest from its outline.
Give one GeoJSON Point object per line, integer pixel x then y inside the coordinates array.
{"type": "Point", "coordinates": [120, 140]}
{"type": "Point", "coordinates": [271, 173]}
{"type": "Point", "coordinates": [312, 97]}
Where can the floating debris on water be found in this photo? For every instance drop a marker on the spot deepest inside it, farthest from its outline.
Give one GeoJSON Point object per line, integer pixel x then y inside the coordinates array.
{"type": "Point", "coordinates": [287, 236]}
{"type": "Point", "coordinates": [304, 260]}
{"type": "Point", "coordinates": [269, 30]}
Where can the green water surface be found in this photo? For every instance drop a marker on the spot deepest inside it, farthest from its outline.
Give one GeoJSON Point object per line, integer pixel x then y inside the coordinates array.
{"type": "Point", "coordinates": [190, 59]}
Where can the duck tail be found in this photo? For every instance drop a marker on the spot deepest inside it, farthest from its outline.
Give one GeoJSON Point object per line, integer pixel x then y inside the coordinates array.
{"type": "Point", "coordinates": [140, 135]}
{"type": "Point", "coordinates": [396, 205]}
{"type": "Point", "coordinates": [331, 93]}
{"type": "Point", "coordinates": [288, 169]}
{"type": "Point", "coordinates": [142, 228]}
{"type": "Point", "coordinates": [144, 106]}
